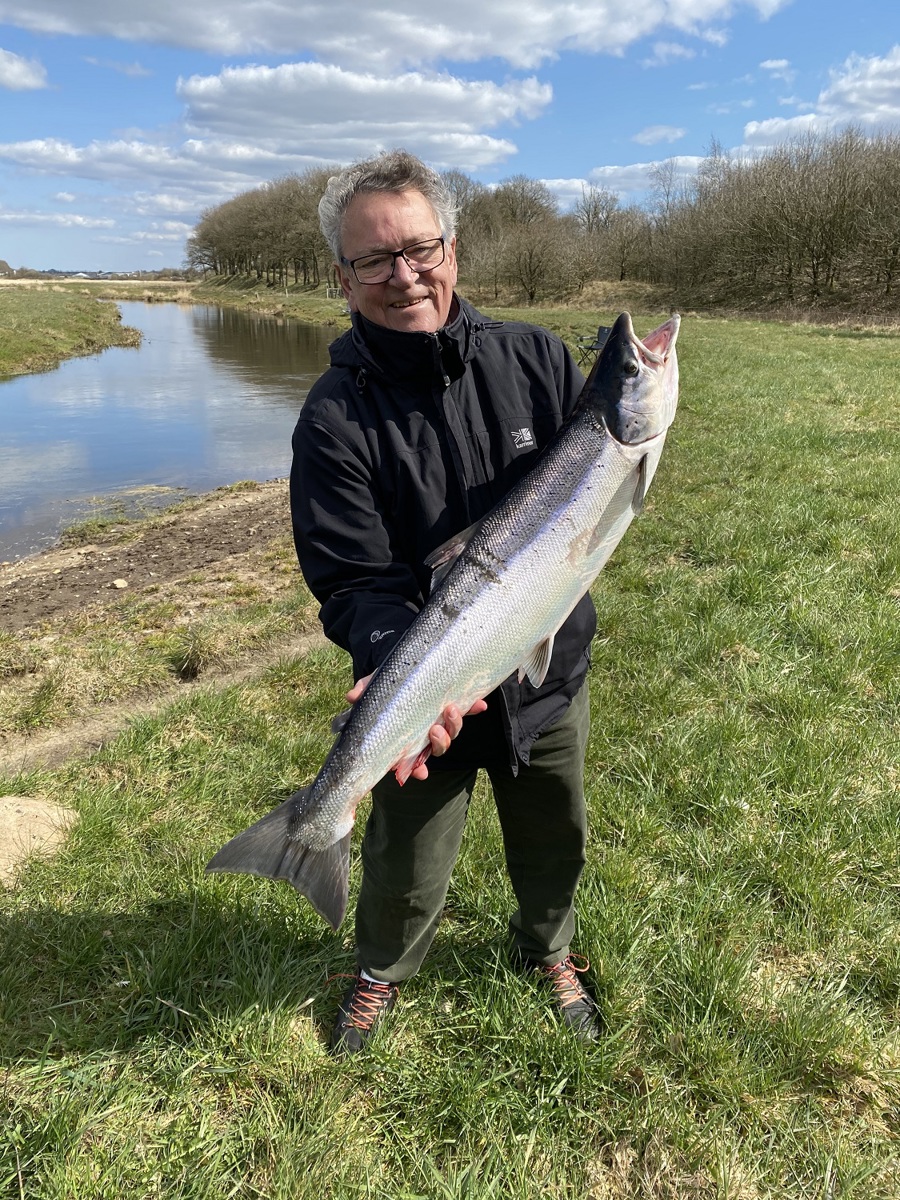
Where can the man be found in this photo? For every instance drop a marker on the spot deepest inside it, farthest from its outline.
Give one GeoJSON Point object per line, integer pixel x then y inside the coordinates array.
{"type": "Point", "coordinates": [427, 416]}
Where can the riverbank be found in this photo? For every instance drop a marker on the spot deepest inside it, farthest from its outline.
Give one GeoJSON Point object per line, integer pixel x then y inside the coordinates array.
{"type": "Point", "coordinates": [126, 611]}
{"type": "Point", "coordinates": [41, 324]}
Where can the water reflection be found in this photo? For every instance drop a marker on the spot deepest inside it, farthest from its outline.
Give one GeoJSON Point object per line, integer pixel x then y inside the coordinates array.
{"type": "Point", "coordinates": [211, 396]}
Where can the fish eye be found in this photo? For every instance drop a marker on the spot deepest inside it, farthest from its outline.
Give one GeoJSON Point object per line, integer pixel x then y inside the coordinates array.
{"type": "Point", "coordinates": [631, 367]}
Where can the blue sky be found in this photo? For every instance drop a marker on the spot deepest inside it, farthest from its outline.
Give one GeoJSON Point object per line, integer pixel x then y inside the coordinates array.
{"type": "Point", "coordinates": [120, 123]}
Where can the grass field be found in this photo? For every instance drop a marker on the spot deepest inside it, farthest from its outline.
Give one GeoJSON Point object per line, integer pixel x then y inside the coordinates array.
{"type": "Point", "coordinates": [161, 1031]}
{"type": "Point", "coordinates": [41, 324]}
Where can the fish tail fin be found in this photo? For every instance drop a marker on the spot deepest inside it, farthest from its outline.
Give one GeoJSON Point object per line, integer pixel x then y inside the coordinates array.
{"type": "Point", "coordinates": [268, 849]}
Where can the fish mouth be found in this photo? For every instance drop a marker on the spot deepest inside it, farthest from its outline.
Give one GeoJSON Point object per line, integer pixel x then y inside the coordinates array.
{"type": "Point", "coordinates": [658, 345]}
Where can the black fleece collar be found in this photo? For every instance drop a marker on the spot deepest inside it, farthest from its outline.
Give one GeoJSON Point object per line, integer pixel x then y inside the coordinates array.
{"type": "Point", "coordinates": [438, 358]}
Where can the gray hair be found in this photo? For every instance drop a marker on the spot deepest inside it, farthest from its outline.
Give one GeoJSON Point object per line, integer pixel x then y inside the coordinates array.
{"type": "Point", "coordinates": [391, 171]}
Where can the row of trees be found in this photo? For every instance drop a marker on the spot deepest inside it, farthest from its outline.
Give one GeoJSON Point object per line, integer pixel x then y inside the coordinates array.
{"type": "Point", "coordinates": [813, 221]}
{"type": "Point", "coordinates": [271, 232]}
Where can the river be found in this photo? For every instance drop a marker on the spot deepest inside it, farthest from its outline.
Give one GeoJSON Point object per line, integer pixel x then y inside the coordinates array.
{"type": "Point", "coordinates": [210, 397]}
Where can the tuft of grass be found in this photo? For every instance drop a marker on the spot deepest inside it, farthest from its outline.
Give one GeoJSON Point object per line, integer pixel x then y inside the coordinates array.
{"type": "Point", "coordinates": [18, 655]}
{"type": "Point", "coordinates": [95, 528]}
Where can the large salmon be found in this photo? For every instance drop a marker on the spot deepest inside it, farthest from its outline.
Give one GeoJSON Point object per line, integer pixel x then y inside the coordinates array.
{"type": "Point", "coordinates": [500, 592]}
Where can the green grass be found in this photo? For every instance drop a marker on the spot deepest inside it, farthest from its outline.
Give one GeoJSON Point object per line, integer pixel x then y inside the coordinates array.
{"type": "Point", "coordinates": [145, 642]}
{"type": "Point", "coordinates": [161, 1031]}
{"type": "Point", "coordinates": [42, 324]}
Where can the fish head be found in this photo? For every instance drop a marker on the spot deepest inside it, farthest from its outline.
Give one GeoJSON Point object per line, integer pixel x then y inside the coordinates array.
{"type": "Point", "coordinates": [633, 387]}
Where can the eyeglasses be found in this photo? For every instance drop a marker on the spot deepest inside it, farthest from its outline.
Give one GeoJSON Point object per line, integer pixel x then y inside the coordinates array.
{"type": "Point", "coordinates": [378, 268]}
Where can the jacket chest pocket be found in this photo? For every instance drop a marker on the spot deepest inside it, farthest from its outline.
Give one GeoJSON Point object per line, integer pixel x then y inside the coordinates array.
{"type": "Point", "coordinates": [522, 436]}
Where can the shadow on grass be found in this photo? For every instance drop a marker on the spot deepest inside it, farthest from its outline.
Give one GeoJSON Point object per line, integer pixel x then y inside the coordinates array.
{"type": "Point", "coordinates": [97, 979]}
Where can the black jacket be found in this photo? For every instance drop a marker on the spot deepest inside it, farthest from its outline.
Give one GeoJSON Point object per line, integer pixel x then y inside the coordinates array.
{"type": "Point", "coordinates": [407, 439]}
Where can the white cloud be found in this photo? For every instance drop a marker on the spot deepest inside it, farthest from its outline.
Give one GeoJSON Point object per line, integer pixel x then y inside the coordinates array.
{"type": "Point", "coordinates": [863, 91]}
{"type": "Point", "coordinates": [21, 74]}
{"type": "Point", "coordinates": [249, 124]}
{"type": "Point", "coordinates": [381, 34]}
{"type": "Point", "coordinates": [666, 52]}
{"type": "Point", "coordinates": [159, 231]}
{"type": "Point", "coordinates": [60, 220]}
{"type": "Point", "coordinates": [152, 203]}
{"type": "Point", "coordinates": [135, 70]}
{"type": "Point", "coordinates": [723, 110]}
{"type": "Point", "coordinates": [65, 197]}
{"type": "Point", "coordinates": [566, 191]}
{"type": "Point", "coordinates": [654, 134]}
{"type": "Point", "coordinates": [632, 181]}
{"type": "Point", "coordinates": [779, 68]}
{"type": "Point", "coordinates": [322, 108]}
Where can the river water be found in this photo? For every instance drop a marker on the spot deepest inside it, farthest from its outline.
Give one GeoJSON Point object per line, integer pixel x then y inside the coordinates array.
{"type": "Point", "coordinates": [210, 397]}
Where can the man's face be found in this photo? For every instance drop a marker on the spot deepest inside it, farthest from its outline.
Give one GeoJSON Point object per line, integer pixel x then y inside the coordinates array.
{"type": "Point", "coordinates": [408, 301]}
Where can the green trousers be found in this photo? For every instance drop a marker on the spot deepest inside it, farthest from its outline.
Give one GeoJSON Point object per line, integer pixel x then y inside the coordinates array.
{"type": "Point", "coordinates": [413, 836]}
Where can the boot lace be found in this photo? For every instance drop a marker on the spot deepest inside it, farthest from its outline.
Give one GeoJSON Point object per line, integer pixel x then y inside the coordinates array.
{"type": "Point", "coordinates": [564, 978]}
{"type": "Point", "coordinates": [367, 1001]}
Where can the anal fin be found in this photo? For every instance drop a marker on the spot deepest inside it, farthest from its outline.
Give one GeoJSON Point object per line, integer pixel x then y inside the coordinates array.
{"type": "Point", "coordinates": [406, 766]}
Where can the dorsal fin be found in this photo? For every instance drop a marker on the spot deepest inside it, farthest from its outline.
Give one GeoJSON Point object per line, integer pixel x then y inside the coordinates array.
{"type": "Point", "coordinates": [338, 723]}
{"type": "Point", "coordinates": [443, 558]}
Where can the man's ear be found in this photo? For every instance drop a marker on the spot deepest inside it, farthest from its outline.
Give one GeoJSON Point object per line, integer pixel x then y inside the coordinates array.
{"type": "Point", "coordinates": [346, 285]}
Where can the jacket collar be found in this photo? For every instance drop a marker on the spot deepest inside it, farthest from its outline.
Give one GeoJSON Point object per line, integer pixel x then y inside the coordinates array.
{"type": "Point", "coordinates": [438, 358]}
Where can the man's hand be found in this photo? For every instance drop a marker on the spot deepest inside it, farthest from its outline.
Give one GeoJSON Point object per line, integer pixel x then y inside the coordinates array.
{"type": "Point", "coordinates": [440, 735]}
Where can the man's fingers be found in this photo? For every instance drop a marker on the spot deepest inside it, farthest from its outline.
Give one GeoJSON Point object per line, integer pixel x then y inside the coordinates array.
{"type": "Point", "coordinates": [358, 688]}
{"type": "Point", "coordinates": [440, 740]}
{"type": "Point", "coordinates": [451, 719]}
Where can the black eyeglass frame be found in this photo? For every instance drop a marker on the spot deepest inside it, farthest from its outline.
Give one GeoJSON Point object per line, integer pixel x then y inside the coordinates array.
{"type": "Point", "coordinates": [395, 254]}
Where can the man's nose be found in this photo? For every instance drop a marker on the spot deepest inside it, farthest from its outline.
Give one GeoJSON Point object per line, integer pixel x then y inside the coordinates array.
{"type": "Point", "coordinates": [403, 272]}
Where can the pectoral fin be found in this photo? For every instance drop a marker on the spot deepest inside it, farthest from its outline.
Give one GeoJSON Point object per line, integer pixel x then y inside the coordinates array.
{"type": "Point", "coordinates": [537, 664]}
{"type": "Point", "coordinates": [405, 767]}
{"type": "Point", "coordinates": [640, 487]}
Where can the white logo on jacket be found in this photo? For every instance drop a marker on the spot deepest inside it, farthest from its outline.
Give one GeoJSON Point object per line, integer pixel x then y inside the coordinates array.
{"type": "Point", "coordinates": [522, 438]}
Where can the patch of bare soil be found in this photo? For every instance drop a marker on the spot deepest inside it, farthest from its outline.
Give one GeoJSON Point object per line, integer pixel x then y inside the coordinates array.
{"type": "Point", "coordinates": [29, 825]}
{"type": "Point", "coordinates": [221, 525]}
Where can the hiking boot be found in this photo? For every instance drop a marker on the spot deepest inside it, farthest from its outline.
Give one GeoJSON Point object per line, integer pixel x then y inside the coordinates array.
{"type": "Point", "coordinates": [576, 1005]}
{"type": "Point", "coordinates": [364, 1004]}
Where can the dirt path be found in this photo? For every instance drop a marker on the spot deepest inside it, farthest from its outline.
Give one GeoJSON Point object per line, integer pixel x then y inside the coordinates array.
{"type": "Point", "coordinates": [52, 747]}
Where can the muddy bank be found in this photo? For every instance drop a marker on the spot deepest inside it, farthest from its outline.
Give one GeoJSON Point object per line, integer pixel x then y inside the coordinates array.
{"type": "Point", "coordinates": [192, 538]}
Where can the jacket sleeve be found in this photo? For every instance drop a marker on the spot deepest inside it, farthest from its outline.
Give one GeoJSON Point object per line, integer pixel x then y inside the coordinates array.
{"type": "Point", "coordinates": [344, 545]}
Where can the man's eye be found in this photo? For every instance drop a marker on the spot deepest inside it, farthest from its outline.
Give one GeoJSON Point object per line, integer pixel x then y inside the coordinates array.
{"type": "Point", "coordinates": [372, 263]}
